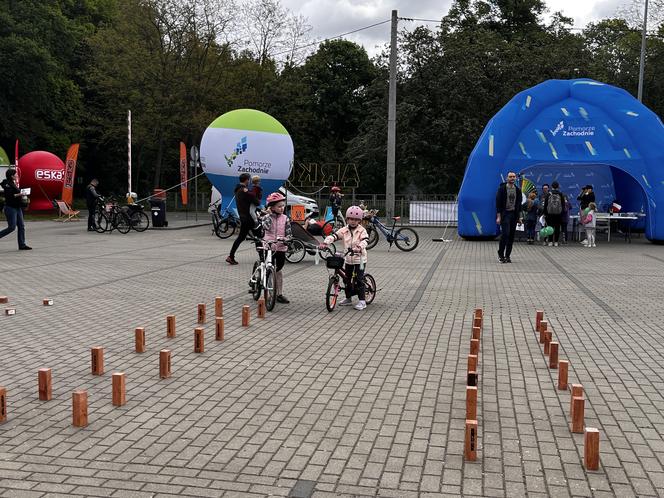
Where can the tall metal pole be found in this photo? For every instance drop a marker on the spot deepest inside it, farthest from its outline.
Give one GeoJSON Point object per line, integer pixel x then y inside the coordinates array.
{"type": "Point", "coordinates": [642, 63]}
{"type": "Point", "coordinates": [129, 149]}
{"type": "Point", "coordinates": [391, 121]}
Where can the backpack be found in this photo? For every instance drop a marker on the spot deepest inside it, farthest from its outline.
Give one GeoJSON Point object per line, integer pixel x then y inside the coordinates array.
{"type": "Point", "coordinates": [555, 205]}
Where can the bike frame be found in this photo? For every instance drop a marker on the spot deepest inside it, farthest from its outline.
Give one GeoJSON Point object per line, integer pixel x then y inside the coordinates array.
{"type": "Point", "coordinates": [264, 265]}
{"type": "Point", "coordinates": [389, 233]}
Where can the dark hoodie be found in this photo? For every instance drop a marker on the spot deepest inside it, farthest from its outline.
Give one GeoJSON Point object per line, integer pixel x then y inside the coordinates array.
{"type": "Point", "coordinates": [244, 200]}
{"type": "Point", "coordinates": [10, 194]}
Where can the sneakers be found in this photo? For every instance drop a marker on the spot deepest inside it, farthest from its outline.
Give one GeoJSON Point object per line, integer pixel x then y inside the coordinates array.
{"type": "Point", "coordinates": [593, 245]}
{"type": "Point", "coordinates": [231, 261]}
{"type": "Point", "coordinates": [361, 305]}
{"type": "Point", "coordinates": [282, 299]}
{"type": "Point", "coordinates": [507, 260]}
{"type": "Point", "coordinates": [555, 244]}
{"type": "Point", "coordinates": [25, 248]}
{"type": "Point", "coordinates": [346, 302]}
{"type": "Point", "coordinates": [501, 258]}
{"type": "Point", "coordinates": [584, 242]}
{"type": "Point", "coordinates": [550, 244]}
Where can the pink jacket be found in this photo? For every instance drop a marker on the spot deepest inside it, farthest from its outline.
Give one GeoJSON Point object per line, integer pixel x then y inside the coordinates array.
{"type": "Point", "coordinates": [277, 226]}
{"type": "Point", "coordinates": [355, 237]}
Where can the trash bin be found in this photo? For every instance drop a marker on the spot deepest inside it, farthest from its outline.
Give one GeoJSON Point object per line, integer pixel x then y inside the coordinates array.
{"type": "Point", "coordinates": [158, 208]}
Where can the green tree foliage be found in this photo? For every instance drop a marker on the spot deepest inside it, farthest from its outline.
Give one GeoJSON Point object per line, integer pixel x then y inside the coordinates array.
{"type": "Point", "coordinates": [72, 69]}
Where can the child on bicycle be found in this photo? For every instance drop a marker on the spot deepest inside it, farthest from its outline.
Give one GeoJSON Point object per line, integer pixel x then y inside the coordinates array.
{"type": "Point", "coordinates": [276, 225]}
{"type": "Point", "coordinates": [355, 237]}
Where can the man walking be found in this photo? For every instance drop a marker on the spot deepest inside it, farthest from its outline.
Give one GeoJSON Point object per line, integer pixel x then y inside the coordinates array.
{"type": "Point", "coordinates": [245, 202]}
{"type": "Point", "coordinates": [508, 213]}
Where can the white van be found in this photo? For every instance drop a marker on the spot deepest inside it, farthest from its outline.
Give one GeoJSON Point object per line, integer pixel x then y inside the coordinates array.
{"type": "Point", "coordinates": [310, 205]}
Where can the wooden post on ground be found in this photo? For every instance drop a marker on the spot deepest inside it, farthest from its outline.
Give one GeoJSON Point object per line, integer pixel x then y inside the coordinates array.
{"type": "Point", "coordinates": [260, 310]}
{"type": "Point", "coordinates": [576, 392]}
{"type": "Point", "coordinates": [3, 404]}
{"type": "Point", "coordinates": [563, 368]}
{"type": "Point", "coordinates": [246, 310]}
{"type": "Point", "coordinates": [578, 409]}
{"type": "Point", "coordinates": [547, 342]}
{"type": "Point", "coordinates": [539, 316]}
{"type": "Point", "coordinates": [47, 301]}
{"type": "Point", "coordinates": [478, 312]}
{"type": "Point", "coordinates": [475, 346]}
{"type": "Point", "coordinates": [553, 355]}
{"type": "Point", "coordinates": [472, 379]}
{"type": "Point", "coordinates": [477, 322]}
{"type": "Point", "coordinates": [4, 299]}
{"type": "Point", "coordinates": [472, 363]}
{"type": "Point", "coordinates": [591, 448]}
{"type": "Point", "coordinates": [543, 326]}
{"type": "Point", "coordinates": [470, 450]}
{"type": "Point", "coordinates": [119, 389]}
{"type": "Point", "coordinates": [79, 408]}
{"type": "Point", "coordinates": [44, 382]}
{"type": "Point", "coordinates": [218, 306]}
{"type": "Point", "coordinates": [170, 326]}
{"type": "Point", "coordinates": [201, 313]}
{"type": "Point", "coordinates": [219, 328]}
{"type": "Point", "coordinates": [199, 340]}
{"type": "Point", "coordinates": [471, 402]}
{"type": "Point", "coordinates": [140, 339]}
{"type": "Point", "coordinates": [477, 332]}
{"type": "Point", "coordinates": [97, 357]}
{"type": "Point", "coordinates": [164, 364]}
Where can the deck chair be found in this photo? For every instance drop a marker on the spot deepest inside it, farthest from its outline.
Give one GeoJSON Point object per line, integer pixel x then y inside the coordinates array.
{"type": "Point", "coordinates": [66, 213]}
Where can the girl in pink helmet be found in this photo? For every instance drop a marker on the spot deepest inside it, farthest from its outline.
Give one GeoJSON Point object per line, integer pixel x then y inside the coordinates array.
{"type": "Point", "coordinates": [276, 225]}
{"type": "Point", "coordinates": [354, 236]}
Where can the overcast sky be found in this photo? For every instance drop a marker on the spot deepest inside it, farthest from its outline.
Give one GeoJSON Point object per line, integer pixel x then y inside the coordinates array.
{"type": "Point", "coordinates": [333, 17]}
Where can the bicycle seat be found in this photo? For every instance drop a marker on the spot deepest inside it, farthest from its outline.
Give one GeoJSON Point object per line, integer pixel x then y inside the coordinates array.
{"type": "Point", "coordinates": [396, 218]}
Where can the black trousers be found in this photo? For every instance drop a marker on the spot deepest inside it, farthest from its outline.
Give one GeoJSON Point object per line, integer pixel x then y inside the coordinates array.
{"type": "Point", "coordinates": [508, 221]}
{"type": "Point", "coordinates": [91, 217]}
{"type": "Point", "coordinates": [354, 285]}
{"type": "Point", "coordinates": [555, 221]}
{"type": "Point", "coordinates": [246, 226]}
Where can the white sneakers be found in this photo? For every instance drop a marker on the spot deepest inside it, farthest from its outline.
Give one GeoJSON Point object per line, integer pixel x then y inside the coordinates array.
{"type": "Point", "coordinates": [550, 244]}
{"type": "Point", "coordinates": [348, 302]}
{"type": "Point", "coordinates": [555, 244]}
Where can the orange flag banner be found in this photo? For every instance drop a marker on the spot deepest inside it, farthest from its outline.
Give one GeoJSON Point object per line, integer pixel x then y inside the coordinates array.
{"type": "Point", "coordinates": [183, 173]}
{"type": "Point", "coordinates": [70, 173]}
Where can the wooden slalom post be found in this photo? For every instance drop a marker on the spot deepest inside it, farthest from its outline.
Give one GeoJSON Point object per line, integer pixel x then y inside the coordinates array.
{"type": "Point", "coordinates": [44, 383]}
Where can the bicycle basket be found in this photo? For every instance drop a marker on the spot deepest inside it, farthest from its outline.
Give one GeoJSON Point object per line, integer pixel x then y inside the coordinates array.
{"type": "Point", "coordinates": [335, 262]}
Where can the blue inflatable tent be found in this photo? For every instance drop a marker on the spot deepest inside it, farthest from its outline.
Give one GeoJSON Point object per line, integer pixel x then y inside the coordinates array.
{"type": "Point", "coordinates": [577, 132]}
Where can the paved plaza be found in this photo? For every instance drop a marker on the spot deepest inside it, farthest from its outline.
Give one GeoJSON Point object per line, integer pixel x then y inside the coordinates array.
{"type": "Point", "coordinates": [310, 403]}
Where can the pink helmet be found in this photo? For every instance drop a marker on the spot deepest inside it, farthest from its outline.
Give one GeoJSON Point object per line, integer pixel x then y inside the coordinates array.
{"type": "Point", "coordinates": [275, 197]}
{"type": "Point", "coordinates": [354, 212]}
{"type": "Point", "coordinates": [335, 189]}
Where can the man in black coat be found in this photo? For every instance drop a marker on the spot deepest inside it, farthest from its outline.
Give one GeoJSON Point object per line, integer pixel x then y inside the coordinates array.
{"type": "Point", "coordinates": [508, 213]}
{"type": "Point", "coordinates": [245, 201]}
{"type": "Point", "coordinates": [91, 196]}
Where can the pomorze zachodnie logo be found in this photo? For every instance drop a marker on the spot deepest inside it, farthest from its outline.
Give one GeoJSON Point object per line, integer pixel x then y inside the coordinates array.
{"type": "Point", "coordinates": [573, 131]}
{"type": "Point", "coordinates": [239, 149]}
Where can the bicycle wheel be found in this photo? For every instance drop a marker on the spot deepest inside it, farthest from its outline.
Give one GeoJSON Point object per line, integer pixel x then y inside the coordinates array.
{"type": "Point", "coordinates": [258, 286]}
{"type": "Point", "coordinates": [101, 222]}
{"type": "Point", "coordinates": [224, 229]}
{"type": "Point", "coordinates": [296, 251]}
{"type": "Point", "coordinates": [332, 293]}
{"type": "Point", "coordinates": [369, 288]}
{"type": "Point", "coordinates": [139, 221]}
{"type": "Point", "coordinates": [270, 291]}
{"type": "Point", "coordinates": [373, 237]}
{"type": "Point", "coordinates": [330, 250]}
{"type": "Point", "coordinates": [122, 223]}
{"type": "Point", "coordinates": [406, 239]}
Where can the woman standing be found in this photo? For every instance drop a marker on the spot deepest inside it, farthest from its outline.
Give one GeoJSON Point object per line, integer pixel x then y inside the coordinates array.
{"type": "Point", "coordinates": [531, 209]}
{"type": "Point", "coordinates": [13, 210]}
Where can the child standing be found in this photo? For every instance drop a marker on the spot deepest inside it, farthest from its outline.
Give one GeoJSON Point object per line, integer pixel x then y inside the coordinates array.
{"type": "Point", "coordinates": [276, 225]}
{"type": "Point", "coordinates": [589, 222]}
{"type": "Point", "coordinates": [336, 198]}
{"type": "Point", "coordinates": [531, 208]}
{"type": "Point", "coordinates": [354, 237]}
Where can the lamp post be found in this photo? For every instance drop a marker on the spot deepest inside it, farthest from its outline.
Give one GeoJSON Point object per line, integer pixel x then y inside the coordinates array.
{"type": "Point", "coordinates": [642, 62]}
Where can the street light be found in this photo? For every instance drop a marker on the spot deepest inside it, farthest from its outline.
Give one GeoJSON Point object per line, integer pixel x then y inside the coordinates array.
{"type": "Point", "coordinates": [643, 53]}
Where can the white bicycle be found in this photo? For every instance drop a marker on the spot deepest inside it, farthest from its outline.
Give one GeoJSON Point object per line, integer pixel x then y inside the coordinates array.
{"type": "Point", "coordinates": [263, 276]}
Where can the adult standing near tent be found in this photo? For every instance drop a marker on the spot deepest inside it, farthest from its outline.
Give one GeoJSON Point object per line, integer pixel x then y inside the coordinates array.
{"type": "Point", "coordinates": [508, 213]}
{"type": "Point", "coordinates": [554, 205]}
{"type": "Point", "coordinates": [91, 196]}
{"type": "Point", "coordinates": [585, 198]}
{"type": "Point", "coordinates": [245, 201]}
{"type": "Point", "coordinates": [543, 196]}
{"type": "Point", "coordinates": [13, 210]}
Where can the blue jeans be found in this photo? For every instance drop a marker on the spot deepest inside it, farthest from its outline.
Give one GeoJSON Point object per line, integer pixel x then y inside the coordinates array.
{"type": "Point", "coordinates": [14, 219]}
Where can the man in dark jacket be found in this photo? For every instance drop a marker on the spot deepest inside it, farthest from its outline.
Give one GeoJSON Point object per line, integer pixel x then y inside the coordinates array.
{"type": "Point", "coordinates": [245, 201]}
{"type": "Point", "coordinates": [508, 213]}
{"type": "Point", "coordinates": [91, 196]}
{"type": "Point", "coordinates": [13, 211]}
{"type": "Point", "coordinates": [554, 207]}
